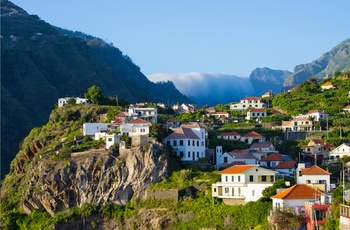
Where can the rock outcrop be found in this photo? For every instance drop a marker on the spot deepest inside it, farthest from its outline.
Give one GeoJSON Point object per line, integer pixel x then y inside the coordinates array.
{"type": "Point", "coordinates": [95, 176]}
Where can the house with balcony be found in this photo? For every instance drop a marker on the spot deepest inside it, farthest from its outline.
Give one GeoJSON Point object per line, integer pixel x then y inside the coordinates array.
{"type": "Point", "coordinates": [135, 127]}
{"type": "Point", "coordinates": [246, 103]}
{"type": "Point", "coordinates": [148, 114]}
{"type": "Point", "coordinates": [242, 183]}
{"type": "Point", "coordinates": [319, 148]}
{"type": "Point", "coordinates": [315, 114]}
{"type": "Point", "coordinates": [313, 176]}
{"type": "Point", "coordinates": [188, 142]}
{"type": "Point", "coordinates": [297, 124]}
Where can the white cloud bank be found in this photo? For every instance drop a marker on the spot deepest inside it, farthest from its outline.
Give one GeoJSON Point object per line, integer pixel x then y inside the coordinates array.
{"type": "Point", "coordinates": [208, 88]}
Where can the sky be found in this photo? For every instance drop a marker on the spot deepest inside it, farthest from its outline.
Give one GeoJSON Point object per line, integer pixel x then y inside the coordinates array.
{"type": "Point", "coordinates": [226, 36]}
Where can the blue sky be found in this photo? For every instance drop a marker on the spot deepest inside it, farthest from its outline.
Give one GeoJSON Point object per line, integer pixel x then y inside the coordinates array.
{"type": "Point", "coordinates": [227, 36]}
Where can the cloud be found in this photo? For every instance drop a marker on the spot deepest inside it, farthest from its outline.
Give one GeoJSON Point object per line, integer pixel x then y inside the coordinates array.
{"type": "Point", "coordinates": [208, 88]}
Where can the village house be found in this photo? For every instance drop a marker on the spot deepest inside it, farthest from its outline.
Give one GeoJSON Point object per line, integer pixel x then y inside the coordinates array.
{"type": "Point", "coordinates": [347, 109]}
{"type": "Point", "coordinates": [89, 129]}
{"type": "Point", "coordinates": [273, 160]}
{"type": "Point", "coordinates": [64, 101]}
{"type": "Point", "coordinates": [267, 147]}
{"type": "Point", "coordinates": [344, 220]}
{"type": "Point", "coordinates": [221, 116]}
{"type": "Point", "coordinates": [314, 114]}
{"type": "Point", "coordinates": [327, 85]}
{"type": "Point", "coordinates": [172, 123]}
{"type": "Point", "coordinates": [314, 176]}
{"type": "Point", "coordinates": [135, 127]}
{"type": "Point", "coordinates": [297, 124]}
{"type": "Point", "coordinates": [340, 151]}
{"type": "Point", "coordinates": [254, 113]}
{"type": "Point", "coordinates": [319, 148]}
{"type": "Point", "coordinates": [242, 183]}
{"type": "Point", "coordinates": [210, 110]}
{"type": "Point", "coordinates": [148, 114]}
{"type": "Point", "coordinates": [286, 169]}
{"type": "Point", "coordinates": [252, 137]}
{"type": "Point", "coordinates": [246, 103]}
{"type": "Point", "coordinates": [230, 136]}
{"type": "Point", "coordinates": [188, 142]}
{"type": "Point", "coordinates": [226, 158]}
{"type": "Point", "coordinates": [267, 95]}
{"type": "Point", "coordinates": [109, 138]}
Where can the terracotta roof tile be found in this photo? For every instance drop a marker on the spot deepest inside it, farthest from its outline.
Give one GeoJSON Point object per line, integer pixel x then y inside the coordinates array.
{"type": "Point", "coordinates": [139, 121]}
{"type": "Point", "coordinates": [314, 170]}
{"type": "Point", "coordinates": [286, 165]}
{"type": "Point", "coordinates": [298, 191]}
{"type": "Point", "coordinates": [253, 134]}
{"type": "Point", "coordinates": [252, 99]}
{"type": "Point", "coordinates": [237, 169]}
{"type": "Point", "coordinates": [255, 110]}
{"type": "Point", "coordinates": [273, 157]}
{"type": "Point", "coordinates": [229, 134]}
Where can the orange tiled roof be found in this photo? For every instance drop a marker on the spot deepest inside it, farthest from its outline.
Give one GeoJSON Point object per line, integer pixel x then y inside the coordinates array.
{"type": "Point", "coordinates": [253, 134]}
{"type": "Point", "coordinates": [273, 157]}
{"type": "Point", "coordinates": [328, 83]}
{"type": "Point", "coordinates": [237, 169]}
{"type": "Point", "coordinates": [314, 170]}
{"type": "Point", "coordinates": [138, 121]}
{"type": "Point", "coordinates": [229, 134]}
{"type": "Point", "coordinates": [221, 113]}
{"type": "Point", "coordinates": [257, 110]}
{"type": "Point", "coordinates": [298, 191]}
{"type": "Point", "coordinates": [286, 165]}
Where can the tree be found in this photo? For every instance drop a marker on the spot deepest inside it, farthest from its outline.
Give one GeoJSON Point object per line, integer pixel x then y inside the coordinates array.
{"type": "Point", "coordinates": [94, 94]}
{"type": "Point", "coordinates": [71, 101]}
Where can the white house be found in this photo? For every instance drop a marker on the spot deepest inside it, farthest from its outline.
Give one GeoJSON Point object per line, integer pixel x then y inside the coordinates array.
{"type": "Point", "coordinates": [295, 197]}
{"type": "Point", "coordinates": [230, 136]}
{"type": "Point", "coordinates": [347, 109]}
{"type": "Point", "coordinates": [248, 102]}
{"type": "Point", "coordinates": [64, 101]}
{"type": "Point", "coordinates": [317, 148]}
{"type": "Point", "coordinates": [135, 127]}
{"type": "Point", "coordinates": [313, 176]}
{"type": "Point", "coordinates": [235, 156]}
{"type": "Point", "coordinates": [188, 142]}
{"type": "Point", "coordinates": [149, 114]}
{"type": "Point", "coordinates": [110, 139]}
{"type": "Point", "coordinates": [297, 124]}
{"type": "Point", "coordinates": [89, 129]}
{"type": "Point", "coordinates": [242, 183]}
{"type": "Point", "coordinates": [340, 151]}
{"type": "Point", "coordinates": [286, 168]}
{"type": "Point", "coordinates": [256, 113]}
{"type": "Point", "coordinates": [316, 114]}
{"type": "Point", "coordinates": [264, 147]}
{"type": "Point", "coordinates": [253, 137]}
{"type": "Point", "coordinates": [327, 85]}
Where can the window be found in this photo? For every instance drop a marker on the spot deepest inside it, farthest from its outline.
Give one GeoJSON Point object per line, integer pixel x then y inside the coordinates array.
{"type": "Point", "coordinates": [239, 178]}
{"type": "Point", "coordinates": [202, 143]}
{"type": "Point", "coordinates": [189, 154]}
{"type": "Point", "coordinates": [251, 178]}
{"type": "Point", "coordinates": [197, 143]}
{"type": "Point", "coordinates": [197, 154]}
{"type": "Point", "coordinates": [214, 189]}
{"type": "Point", "coordinates": [189, 143]}
{"type": "Point", "coordinates": [181, 142]}
{"type": "Point", "coordinates": [308, 181]}
{"type": "Point", "coordinates": [226, 190]}
{"type": "Point", "coordinates": [174, 143]}
{"type": "Point", "coordinates": [233, 191]}
{"type": "Point", "coordinates": [263, 178]}
{"type": "Point", "coordinates": [239, 191]}
{"type": "Point", "coordinates": [233, 178]}
{"type": "Point", "coordinates": [272, 179]}
{"type": "Point", "coordinates": [193, 143]}
{"type": "Point", "coordinates": [109, 139]}
{"type": "Point", "coordinates": [226, 178]}
{"type": "Point", "coordinates": [225, 159]}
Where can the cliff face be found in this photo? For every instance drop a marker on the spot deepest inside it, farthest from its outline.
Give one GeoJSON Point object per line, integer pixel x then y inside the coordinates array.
{"type": "Point", "coordinates": [95, 176]}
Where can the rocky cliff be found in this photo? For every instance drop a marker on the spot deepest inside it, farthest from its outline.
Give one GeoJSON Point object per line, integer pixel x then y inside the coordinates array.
{"type": "Point", "coordinates": [95, 176]}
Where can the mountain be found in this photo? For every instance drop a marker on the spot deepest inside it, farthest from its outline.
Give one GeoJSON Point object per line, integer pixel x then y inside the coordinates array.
{"type": "Point", "coordinates": [265, 79]}
{"type": "Point", "coordinates": [41, 63]}
{"type": "Point", "coordinates": [336, 60]}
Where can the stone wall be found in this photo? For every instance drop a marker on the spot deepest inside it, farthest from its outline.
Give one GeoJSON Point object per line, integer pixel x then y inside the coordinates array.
{"type": "Point", "coordinates": [163, 194]}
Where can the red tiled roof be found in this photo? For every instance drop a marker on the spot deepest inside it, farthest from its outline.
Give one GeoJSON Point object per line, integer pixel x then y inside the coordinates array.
{"type": "Point", "coordinates": [237, 169]}
{"type": "Point", "coordinates": [286, 165]}
{"type": "Point", "coordinates": [298, 191]}
{"type": "Point", "coordinates": [328, 83]}
{"type": "Point", "coordinates": [118, 120]}
{"type": "Point", "coordinates": [253, 134]}
{"type": "Point", "coordinates": [221, 113]}
{"type": "Point", "coordinates": [121, 114]}
{"type": "Point", "coordinates": [315, 111]}
{"type": "Point", "coordinates": [347, 107]}
{"type": "Point", "coordinates": [314, 170]}
{"type": "Point", "coordinates": [182, 133]}
{"type": "Point", "coordinates": [273, 157]}
{"type": "Point", "coordinates": [229, 134]}
{"type": "Point", "coordinates": [139, 121]}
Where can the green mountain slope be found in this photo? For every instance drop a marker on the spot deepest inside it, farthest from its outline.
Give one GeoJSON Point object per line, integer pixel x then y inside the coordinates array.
{"type": "Point", "coordinates": [338, 59]}
{"type": "Point", "coordinates": [41, 63]}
